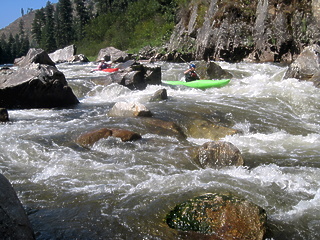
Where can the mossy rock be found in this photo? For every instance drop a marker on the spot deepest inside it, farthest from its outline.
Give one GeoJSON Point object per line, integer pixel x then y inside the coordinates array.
{"type": "Point", "coordinates": [223, 215]}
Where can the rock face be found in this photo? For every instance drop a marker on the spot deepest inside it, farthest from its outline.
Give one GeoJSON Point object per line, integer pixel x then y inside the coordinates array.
{"type": "Point", "coordinates": [222, 216]}
{"type": "Point", "coordinates": [306, 66]}
{"type": "Point", "coordinates": [219, 154]}
{"type": "Point", "coordinates": [14, 223]}
{"type": "Point", "coordinates": [36, 84]}
{"type": "Point", "coordinates": [63, 55]}
{"type": "Point", "coordinates": [258, 30]}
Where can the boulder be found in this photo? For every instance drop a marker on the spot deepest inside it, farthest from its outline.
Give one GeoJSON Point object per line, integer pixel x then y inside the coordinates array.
{"type": "Point", "coordinates": [88, 139]}
{"type": "Point", "coordinates": [125, 109]}
{"type": "Point", "coordinates": [219, 154]}
{"type": "Point", "coordinates": [306, 66]}
{"type": "Point", "coordinates": [133, 76]}
{"type": "Point", "coordinates": [36, 55]}
{"type": "Point", "coordinates": [4, 116]}
{"type": "Point", "coordinates": [220, 216]}
{"type": "Point", "coordinates": [211, 70]}
{"type": "Point", "coordinates": [78, 58]}
{"type": "Point", "coordinates": [63, 55]}
{"type": "Point", "coordinates": [36, 84]}
{"type": "Point", "coordinates": [14, 222]}
{"type": "Point", "coordinates": [112, 54]}
{"type": "Point", "coordinates": [159, 95]}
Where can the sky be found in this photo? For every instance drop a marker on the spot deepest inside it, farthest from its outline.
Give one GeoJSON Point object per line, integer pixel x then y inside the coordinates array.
{"type": "Point", "coordinates": [10, 10]}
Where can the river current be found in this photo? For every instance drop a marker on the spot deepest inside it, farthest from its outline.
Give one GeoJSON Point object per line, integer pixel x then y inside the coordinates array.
{"type": "Point", "coordinates": [118, 190]}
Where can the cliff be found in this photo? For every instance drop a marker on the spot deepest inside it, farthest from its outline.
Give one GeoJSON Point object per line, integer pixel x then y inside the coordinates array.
{"type": "Point", "coordinates": [250, 30]}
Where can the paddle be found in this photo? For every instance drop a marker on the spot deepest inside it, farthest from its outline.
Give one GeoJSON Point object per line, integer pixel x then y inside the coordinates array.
{"type": "Point", "coordinates": [189, 65]}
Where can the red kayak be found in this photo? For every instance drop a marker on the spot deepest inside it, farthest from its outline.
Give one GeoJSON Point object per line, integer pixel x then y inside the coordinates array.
{"type": "Point", "coordinates": [110, 69]}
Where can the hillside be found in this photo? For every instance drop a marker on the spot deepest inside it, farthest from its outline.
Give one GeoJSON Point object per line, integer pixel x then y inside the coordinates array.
{"type": "Point", "coordinates": [13, 27]}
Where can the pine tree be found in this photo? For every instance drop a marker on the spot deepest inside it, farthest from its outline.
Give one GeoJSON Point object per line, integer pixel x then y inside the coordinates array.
{"type": "Point", "coordinates": [23, 45]}
{"type": "Point", "coordinates": [48, 42]}
{"type": "Point", "coordinates": [64, 24]}
{"type": "Point", "coordinates": [81, 19]}
{"type": "Point", "coordinates": [11, 48]}
{"type": "Point", "coordinates": [38, 24]}
{"type": "Point", "coordinates": [103, 6]}
{"type": "Point", "coordinates": [4, 46]}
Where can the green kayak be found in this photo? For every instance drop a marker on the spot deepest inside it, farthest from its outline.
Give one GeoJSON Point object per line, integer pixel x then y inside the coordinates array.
{"type": "Point", "coordinates": [202, 84]}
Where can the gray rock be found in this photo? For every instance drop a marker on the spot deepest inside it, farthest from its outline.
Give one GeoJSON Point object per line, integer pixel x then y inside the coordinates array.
{"type": "Point", "coordinates": [306, 66]}
{"type": "Point", "coordinates": [112, 54]}
{"type": "Point", "coordinates": [14, 223]}
{"type": "Point", "coordinates": [36, 84]}
{"type": "Point", "coordinates": [159, 95]}
{"type": "Point", "coordinates": [63, 55]}
{"type": "Point", "coordinates": [125, 109]}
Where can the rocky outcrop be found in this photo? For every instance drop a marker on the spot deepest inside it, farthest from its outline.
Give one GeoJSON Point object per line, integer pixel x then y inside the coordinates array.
{"type": "Point", "coordinates": [219, 216]}
{"type": "Point", "coordinates": [259, 30]}
{"type": "Point", "coordinates": [306, 66]}
{"type": "Point", "coordinates": [36, 84]}
{"type": "Point", "coordinates": [125, 109]}
{"type": "Point", "coordinates": [63, 55]}
{"type": "Point", "coordinates": [112, 54]}
{"type": "Point", "coordinates": [219, 154]}
{"type": "Point", "coordinates": [88, 139]}
{"type": "Point", "coordinates": [14, 222]}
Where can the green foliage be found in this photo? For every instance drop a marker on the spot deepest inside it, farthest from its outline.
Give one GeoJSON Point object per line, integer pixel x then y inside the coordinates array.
{"type": "Point", "coordinates": [143, 22]}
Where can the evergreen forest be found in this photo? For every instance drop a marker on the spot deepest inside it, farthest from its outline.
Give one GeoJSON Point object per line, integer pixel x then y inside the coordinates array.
{"type": "Point", "coordinates": [92, 25]}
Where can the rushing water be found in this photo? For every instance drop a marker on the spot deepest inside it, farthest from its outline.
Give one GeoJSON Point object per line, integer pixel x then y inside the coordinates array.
{"type": "Point", "coordinates": [122, 190]}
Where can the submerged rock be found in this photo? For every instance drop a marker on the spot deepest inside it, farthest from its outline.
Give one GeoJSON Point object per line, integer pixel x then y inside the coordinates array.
{"type": "Point", "coordinates": [223, 216]}
{"type": "Point", "coordinates": [199, 128]}
{"type": "Point", "coordinates": [14, 222]}
{"type": "Point", "coordinates": [161, 127]}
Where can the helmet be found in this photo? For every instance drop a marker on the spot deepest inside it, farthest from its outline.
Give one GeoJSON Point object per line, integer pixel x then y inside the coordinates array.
{"type": "Point", "coordinates": [192, 66]}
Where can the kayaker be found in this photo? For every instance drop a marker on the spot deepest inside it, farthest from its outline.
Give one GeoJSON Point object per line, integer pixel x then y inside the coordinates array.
{"type": "Point", "coordinates": [190, 74]}
{"type": "Point", "coordinates": [103, 65]}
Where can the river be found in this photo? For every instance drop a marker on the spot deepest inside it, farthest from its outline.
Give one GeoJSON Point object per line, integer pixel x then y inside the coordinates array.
{"type": "Point", "coordinates": [120, 190]}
